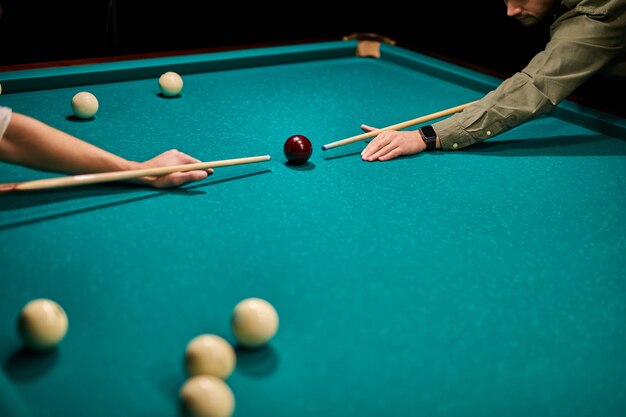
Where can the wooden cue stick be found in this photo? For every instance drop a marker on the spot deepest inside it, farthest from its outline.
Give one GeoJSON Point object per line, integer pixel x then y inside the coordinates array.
{"type": "Point", "coordinates": [85, 179]}
{"type": "Point", "coordinates": [398, 126]}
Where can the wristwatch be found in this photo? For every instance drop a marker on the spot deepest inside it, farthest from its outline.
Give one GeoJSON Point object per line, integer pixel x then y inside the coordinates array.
{"type": "Point", "coordinates": [429, 137]}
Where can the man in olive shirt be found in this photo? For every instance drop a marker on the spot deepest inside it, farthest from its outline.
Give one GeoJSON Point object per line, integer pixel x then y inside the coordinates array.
{"type": "Point", "coordinates": [587, 36]}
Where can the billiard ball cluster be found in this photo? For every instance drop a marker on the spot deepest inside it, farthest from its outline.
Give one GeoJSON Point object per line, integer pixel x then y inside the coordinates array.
{"type": "Point", "coordinates": [209, 359]}
{"type": "Point", "coordinates": [85, 105]}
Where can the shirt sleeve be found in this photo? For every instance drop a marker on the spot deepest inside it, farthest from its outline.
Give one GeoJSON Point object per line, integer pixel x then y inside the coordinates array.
{"type": "Point", "coordinates": [5, 118]}
{"type": "Point", "coordinates": [582, 41]}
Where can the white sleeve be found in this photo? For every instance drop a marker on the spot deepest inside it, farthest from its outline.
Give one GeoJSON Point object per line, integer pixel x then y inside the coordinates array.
{"type": "Point", "coordinates": [5, 118]}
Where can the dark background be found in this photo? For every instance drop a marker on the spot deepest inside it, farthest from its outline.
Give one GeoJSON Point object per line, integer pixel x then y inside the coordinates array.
{"type": "Point", "coordinates": [476, 34]}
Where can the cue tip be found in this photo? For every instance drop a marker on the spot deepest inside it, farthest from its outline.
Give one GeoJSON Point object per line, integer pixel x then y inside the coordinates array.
{"type": "Point", "coordinates": [324, 147]}
{"type": "Point", "coordinates": [7, 188]}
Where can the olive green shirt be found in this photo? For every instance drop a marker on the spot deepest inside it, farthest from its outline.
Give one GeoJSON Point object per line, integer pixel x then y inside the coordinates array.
{"type": "Point", "coordinates": [587, 36]}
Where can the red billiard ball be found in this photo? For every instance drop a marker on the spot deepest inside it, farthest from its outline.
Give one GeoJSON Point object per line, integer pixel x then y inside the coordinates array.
{"type": "Point", "coordinates": [297, 149]}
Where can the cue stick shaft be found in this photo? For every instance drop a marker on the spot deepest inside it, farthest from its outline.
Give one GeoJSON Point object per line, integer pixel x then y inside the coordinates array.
{"type": "Point", "coordinates": [398, 126]}
{"type": "Point", "coordinates": [101, 177]}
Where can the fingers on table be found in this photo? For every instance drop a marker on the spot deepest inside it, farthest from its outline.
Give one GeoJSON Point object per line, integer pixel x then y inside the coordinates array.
{"type": "Point", "coordinates": [380, 145]}
{"type": "Point", "coordinates": [180, 178]}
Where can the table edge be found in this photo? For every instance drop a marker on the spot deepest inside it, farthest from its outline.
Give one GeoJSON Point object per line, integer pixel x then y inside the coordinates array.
{"type": "Point", "coordinates": [104, 72]}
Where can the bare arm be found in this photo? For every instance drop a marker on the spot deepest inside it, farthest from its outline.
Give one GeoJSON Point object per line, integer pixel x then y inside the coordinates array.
{"type": "Point", "coordinates": [29, 142]}
{"type": "Point", "coordinates": [34, 144]}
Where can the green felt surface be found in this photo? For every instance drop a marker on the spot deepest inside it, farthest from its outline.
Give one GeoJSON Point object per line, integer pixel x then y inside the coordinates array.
{"type": "Point", "coordinates": [484, 282]}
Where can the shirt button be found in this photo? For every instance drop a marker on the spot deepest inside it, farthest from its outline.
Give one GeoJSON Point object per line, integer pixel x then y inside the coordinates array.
{"type": "Point", "coordinates": [489, 133]}
{"type": "Point", "coordinates": [455, 145]}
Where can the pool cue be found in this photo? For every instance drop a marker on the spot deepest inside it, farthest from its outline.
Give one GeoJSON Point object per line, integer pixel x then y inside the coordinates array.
{"type": "Point", "coordinates": [101, 177]}
{"type": "Point", "coordinates": [398, 126]}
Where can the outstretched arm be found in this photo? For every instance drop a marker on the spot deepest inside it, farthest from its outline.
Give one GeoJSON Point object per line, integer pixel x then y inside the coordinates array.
{"type": "Point", "coordinates": [583, 41]}
{"type": "Point", "coordinates": [32, 143]}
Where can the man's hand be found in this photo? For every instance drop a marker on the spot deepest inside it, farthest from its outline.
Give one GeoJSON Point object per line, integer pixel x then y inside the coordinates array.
{"type": "Point", "coordinates": [391, 144]}
{"type": "Point", "coordinates": [171, 157]}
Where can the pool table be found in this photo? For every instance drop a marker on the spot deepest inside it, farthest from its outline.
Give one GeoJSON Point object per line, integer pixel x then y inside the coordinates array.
{"type": "Point", "coordinates": [487, 281]}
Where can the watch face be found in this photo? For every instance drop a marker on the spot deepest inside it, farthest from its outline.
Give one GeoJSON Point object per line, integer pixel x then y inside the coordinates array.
{"type": "Point", "coordinates": [429, 132]}
{"type": "Point", "coordinates": [429, 136]}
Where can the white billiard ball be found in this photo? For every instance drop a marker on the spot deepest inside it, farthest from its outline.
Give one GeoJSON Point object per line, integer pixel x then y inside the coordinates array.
{"type": "Point", "coordinates": [254, 322]}
{"type": "Point", "coordinates": [84, 105]}
{"type": "Point", "coordinates": [170, 84]}
{"type": "Point", "coordinates": [209, 354]}
{"type": "Point", "coordinates": [42, 324]}
{"type": "Point", "coordinates": [207, 396]}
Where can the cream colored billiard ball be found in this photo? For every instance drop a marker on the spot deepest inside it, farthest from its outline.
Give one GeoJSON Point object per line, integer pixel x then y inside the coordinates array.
{"type": "Point", "coordinates": [209, 354]}
{"type": "Point", "coordinates": [207, 396]}
{"type": "Point", "coordinates": [42, 324]}
{"type": "Point", "coordinates": [84, 105]}
{"type": "Point", "coordinates": [170, 84]}
{"type": "Point", "coordinates": [254, 322]}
